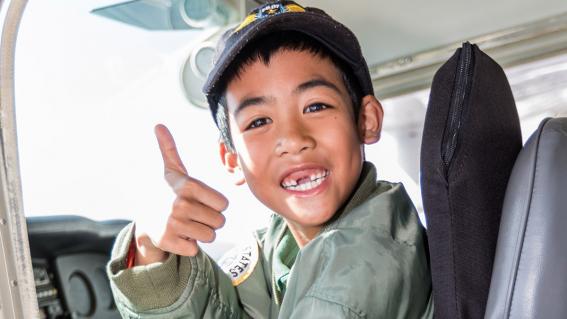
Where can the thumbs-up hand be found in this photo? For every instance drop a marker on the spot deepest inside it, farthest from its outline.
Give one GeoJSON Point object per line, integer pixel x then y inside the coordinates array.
{"type": "Point", "coordinates": [194, 216]}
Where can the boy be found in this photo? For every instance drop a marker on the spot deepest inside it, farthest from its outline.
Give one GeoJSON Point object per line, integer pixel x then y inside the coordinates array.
{"type": "Point", "coordinates": [292, 97]}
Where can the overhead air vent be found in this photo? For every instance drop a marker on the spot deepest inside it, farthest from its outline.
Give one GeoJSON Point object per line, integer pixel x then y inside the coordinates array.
{"type": "Point", "coordinates": [195, 72]}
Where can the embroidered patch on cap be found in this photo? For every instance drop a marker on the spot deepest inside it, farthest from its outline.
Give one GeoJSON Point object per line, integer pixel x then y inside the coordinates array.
{"type": "Point", "coordinates": [268, 11]}
{"type": "Point", "coordinates": [239, 263]}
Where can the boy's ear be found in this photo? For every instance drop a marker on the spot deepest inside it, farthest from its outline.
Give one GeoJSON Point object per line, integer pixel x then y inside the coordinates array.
{"type": "Point", "coordinates": [230, 161]}
{"type": "Point", "coordinates": [370, 120]}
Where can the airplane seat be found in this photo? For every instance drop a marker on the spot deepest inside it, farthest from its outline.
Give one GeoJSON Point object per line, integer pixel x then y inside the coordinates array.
{"type": "Point", "coordinates": [530, 268]}
{"type": "Point", "coordinates": [471, 139]}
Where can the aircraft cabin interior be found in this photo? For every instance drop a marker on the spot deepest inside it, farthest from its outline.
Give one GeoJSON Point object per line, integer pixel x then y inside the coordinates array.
{"type": "Point", "coordinates": [84, 82]}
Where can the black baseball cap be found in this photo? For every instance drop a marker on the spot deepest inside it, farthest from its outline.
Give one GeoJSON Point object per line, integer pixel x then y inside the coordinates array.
{"type": "Point", "coordinates": [287, 16]}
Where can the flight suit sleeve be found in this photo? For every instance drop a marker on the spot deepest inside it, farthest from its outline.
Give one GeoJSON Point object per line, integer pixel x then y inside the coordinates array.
{"type": "Point", "coordinates": [179, 287]}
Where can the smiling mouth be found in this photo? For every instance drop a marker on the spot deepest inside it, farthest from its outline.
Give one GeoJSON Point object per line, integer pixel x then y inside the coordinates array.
{"type": "Point", "coordinates": [306, 182]}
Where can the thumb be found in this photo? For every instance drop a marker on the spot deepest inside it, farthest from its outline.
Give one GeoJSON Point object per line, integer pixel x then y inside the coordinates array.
{"type": "Point", "coordinates": [169, 153]}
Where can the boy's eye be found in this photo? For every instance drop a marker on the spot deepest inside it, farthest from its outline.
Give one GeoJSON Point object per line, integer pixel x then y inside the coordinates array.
{"type": "Point", "coordinates": [259, 122]}
{"type": "Point", "coordinates": [315, 108]}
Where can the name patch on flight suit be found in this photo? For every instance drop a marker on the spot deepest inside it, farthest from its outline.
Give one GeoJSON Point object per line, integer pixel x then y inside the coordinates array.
{"type": "Point", "coordinates": [239, 262]}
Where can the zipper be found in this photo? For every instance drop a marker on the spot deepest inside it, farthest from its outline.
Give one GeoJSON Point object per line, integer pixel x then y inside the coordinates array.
{"type": "Point", "coordinates": [459, 100]}
{"type": "Point", "coordinates": [277, 297]}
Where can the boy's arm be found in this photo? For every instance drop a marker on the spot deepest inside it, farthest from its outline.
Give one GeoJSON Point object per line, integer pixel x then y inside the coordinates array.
{"type": "Point", "coordinates": [172, 277]}
{"type": "Point", "coordinates": [178, 287]}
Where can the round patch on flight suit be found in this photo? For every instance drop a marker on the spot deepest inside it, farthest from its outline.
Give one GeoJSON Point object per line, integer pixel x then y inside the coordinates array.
{"type": "Point", "coordinates": [239, 262]}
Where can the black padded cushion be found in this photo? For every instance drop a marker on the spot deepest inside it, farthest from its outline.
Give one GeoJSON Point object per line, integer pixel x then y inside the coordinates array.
{"type": "Point", "coordinates": [463, 199]}
{"type": "Point", "coordinates": [530, 269]}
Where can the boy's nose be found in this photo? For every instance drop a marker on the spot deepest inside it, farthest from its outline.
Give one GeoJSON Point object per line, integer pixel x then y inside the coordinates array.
{"type": "Point", "coordinates": [293, 139]}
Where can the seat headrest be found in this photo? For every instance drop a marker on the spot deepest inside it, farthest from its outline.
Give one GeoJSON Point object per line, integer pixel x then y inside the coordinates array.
{"type": "Point", "coordinates": [471, 138]}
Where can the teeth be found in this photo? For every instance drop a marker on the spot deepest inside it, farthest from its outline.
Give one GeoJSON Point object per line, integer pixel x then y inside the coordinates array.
{"type": "Point", "coordinates": [314, 181]}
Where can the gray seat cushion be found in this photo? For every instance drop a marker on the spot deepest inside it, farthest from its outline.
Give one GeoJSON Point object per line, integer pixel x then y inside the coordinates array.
{"type": "Point", "coordinates": [529, 278]}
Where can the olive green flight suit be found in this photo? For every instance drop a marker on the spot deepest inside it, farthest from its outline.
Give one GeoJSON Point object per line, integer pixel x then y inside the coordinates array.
{"type": "Point", "coordinates": [369, 262]}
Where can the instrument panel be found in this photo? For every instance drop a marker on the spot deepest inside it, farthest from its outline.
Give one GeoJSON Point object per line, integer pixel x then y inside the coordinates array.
{"type": "Point", "coordinates": [47, 293]}
{"type": "Point", "coordinates": [69, 256]}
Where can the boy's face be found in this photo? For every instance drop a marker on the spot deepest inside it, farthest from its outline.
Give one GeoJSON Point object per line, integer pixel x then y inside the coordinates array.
{"type": "Point", "coordinates": [296, 138]}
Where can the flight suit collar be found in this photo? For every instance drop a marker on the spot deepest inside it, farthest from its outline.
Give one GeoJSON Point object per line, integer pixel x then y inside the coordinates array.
{"type": "Point", "coordinates": [365, 186]}
{"type": "Point", "coordinates": [285, 254]}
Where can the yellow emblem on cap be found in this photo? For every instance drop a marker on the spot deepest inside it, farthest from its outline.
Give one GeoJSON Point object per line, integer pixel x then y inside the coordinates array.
{"type": "Point", "coordinates": [294, 8]}
{"type": "Point", "coordinates": [268, 11]}
{"type": "Point", "coordinates": [249, 19]}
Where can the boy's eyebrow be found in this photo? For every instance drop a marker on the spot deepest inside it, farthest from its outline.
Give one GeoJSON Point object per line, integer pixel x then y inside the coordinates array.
{"type": "Point", "coordinates": [314, 83]}
{"type": "Point", "coordinates": [257, 100]}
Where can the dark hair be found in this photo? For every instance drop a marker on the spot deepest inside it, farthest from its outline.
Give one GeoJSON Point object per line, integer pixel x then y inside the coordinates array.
{"type": "Point", "coordinates": [262, 49]}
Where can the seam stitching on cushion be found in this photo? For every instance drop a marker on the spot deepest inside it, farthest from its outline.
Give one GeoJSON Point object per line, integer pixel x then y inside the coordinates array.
{"type": "Point", "coordinates": [445, 174]}
{"type": "Point", "coordinates": [453, 252]}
